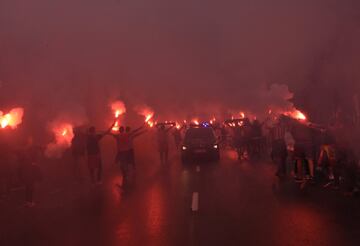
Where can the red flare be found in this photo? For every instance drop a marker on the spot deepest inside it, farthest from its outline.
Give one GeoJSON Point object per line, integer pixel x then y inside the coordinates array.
{"type": "Point", "coordinates": [118, 107]}
{"type": "Point", "coordinates": [145, 111]}
{"type": "Point", "coordinates": [116, 127]}
{"type": "Point", "coordinates": [296, 114]}
{"type": "Point", "coordinates": [13, 119]}
{"type": "Point", "coordinates": [195, 122]}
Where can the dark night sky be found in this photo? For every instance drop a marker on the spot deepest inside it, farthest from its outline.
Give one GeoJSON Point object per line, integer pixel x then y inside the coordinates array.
{"type": "Point", "coordinates": [175, 55]}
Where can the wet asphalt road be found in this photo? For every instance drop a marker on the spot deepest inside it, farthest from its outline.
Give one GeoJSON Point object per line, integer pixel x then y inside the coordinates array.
{"type": "Point", "coordinates": [239, 204]}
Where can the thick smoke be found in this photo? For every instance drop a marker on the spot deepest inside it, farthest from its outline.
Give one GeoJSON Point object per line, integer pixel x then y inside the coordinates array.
{"type": "Point", "coordinates": [183, 58]}
{"type": "Point", "coordinates": [62, 131]}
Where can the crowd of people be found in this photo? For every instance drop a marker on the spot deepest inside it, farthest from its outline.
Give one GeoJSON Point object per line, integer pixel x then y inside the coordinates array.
{"type": "Point", "coordinates": [315, 154]}
{"type": "Point", "coordinates": [20, 165]}
{"type": "Point", "coordinates": [310, 153]}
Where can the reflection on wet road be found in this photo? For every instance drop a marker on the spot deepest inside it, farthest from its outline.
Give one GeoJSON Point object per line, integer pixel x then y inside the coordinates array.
{"type": "Point", "coordinates": [237, 205]}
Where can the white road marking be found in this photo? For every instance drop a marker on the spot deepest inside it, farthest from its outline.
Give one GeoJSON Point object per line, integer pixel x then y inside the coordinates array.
{"type": "Point", "coordinates": [195, 202]}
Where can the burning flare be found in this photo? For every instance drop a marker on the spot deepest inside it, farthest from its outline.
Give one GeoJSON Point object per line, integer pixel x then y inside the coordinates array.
{"type": "Point", "coordinates": [296, 114]}
{"type": "Point", "coordinates": [151, 123]}
{"type": "Point", "coordinates": [116, 126]}
{"type": "Point", "coordinates": [195, 122]}
{"type": "Point", "coordinates": [118, 107]}
{"type": "Point", "coordinates": [63, 134]}
{"type": "Point", "coordinates": [145, 111]}
{"type": "Point", "coordinates": [178, 126]}
{"type": "Point", "coordinates": [12, 119]}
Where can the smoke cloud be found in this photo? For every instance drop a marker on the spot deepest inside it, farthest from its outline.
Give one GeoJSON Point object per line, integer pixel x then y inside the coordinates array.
{"type": "Point", "coordinates": [183, 58]}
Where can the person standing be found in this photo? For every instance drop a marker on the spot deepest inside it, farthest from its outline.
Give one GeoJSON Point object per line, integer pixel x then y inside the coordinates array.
{"type": "Point", "coordinates": [30, 175]}
{"type": "Point", "coordinates": [163, 143]}
{"type": "Point", "coordinates": [93, 152]}
{"type": "Point", "coordinates": [304, 148]}
{"type": "Point", "coordinates": [78, 151]}
{"type": "Point", "coordinates": [279, 156]}
{"type": "Point", "coordinates": [125, 156]}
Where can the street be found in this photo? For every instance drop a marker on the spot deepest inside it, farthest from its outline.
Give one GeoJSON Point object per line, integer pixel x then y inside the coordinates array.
{"type": "Point", "coordinates": [239, 204]}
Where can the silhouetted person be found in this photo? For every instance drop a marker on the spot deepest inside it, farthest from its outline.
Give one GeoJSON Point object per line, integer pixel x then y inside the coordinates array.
{"type": "Point", "coordinates": [328, 159]}
{"type": "Point", "coordinates": [256, 138]}
{"type": "Point", "coordinates": [304, 148]}
{"type": "Point", "coordinates": [125, 156]}
{"type": "Point", "coordinates": [224, 136]}
{"type": "Point", "coordinates": [78, 151]}
{"type": "Point", "coordinates": [178, 137]}
{"type": "Point", "coordinates": [133, 134]}
{"type": "Point", "coordinates": [279, 155]}
{"type": "Point", "coordinates": [30, 174]}
{"type": "Point", "coordinates": [5, 169]}
{"type": "Point", "coordinates": [163, 143]}
{"type": "Point", "coordinates": [94, 158]}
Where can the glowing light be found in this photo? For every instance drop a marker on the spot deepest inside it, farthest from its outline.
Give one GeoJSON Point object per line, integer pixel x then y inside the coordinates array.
{"type": "Point", "coordinates": [5, 121]}
{"type": "Point", "coordinates": [296, 114]}
{"type": "Point", "coordinates": [118, 107]}
{"type": "Point", "coordinates": [145, 111]}
{"type": "Point", "coordinates": [63, 135]}
{"type": "Point", "coordinates": [116, 126]}
{"type": "Point", "coordinates": [148, 117]}
{"type": "Point", "coordinates": [242, 115]}
{"type": "Point", "coordinates": [195, 122]}
{"type": "Point", "coordinates": [12, 119]}
{"type": "Point", "coordinates": [150, 123]}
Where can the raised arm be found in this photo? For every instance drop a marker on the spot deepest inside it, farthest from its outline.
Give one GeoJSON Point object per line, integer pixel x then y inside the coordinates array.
{"type": "Point", "coordinates": [134, 132]}
{"type": "Point", "coordinates": [138, 134]}
{"type": "Point", "coordinates": [108, 131]}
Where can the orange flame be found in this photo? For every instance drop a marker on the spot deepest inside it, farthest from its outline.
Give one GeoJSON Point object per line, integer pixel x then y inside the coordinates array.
{"type": "Point", "coordinates": [177, 125]}
{"type": "Point", "coordinates": [63, 135]}
{"type": "Point", "coordinates": [148, 117]}
{"type": "Point", "coordinates": [116, 127]}
{"type": "Point", "coordinates": [118, 107]}
{"type": "Point", "coordinates": [12, 119]}
{"type": "Point", "coordinates": [145, 111]}
{"type": "Point", "coordinates": [213, 120]}
{"type": "Point", "coordinates": [195, 122]}
{"type": "Point", "coordinates": [296, 114]}
{"type": "Point", "coordinates": [150, 123]}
